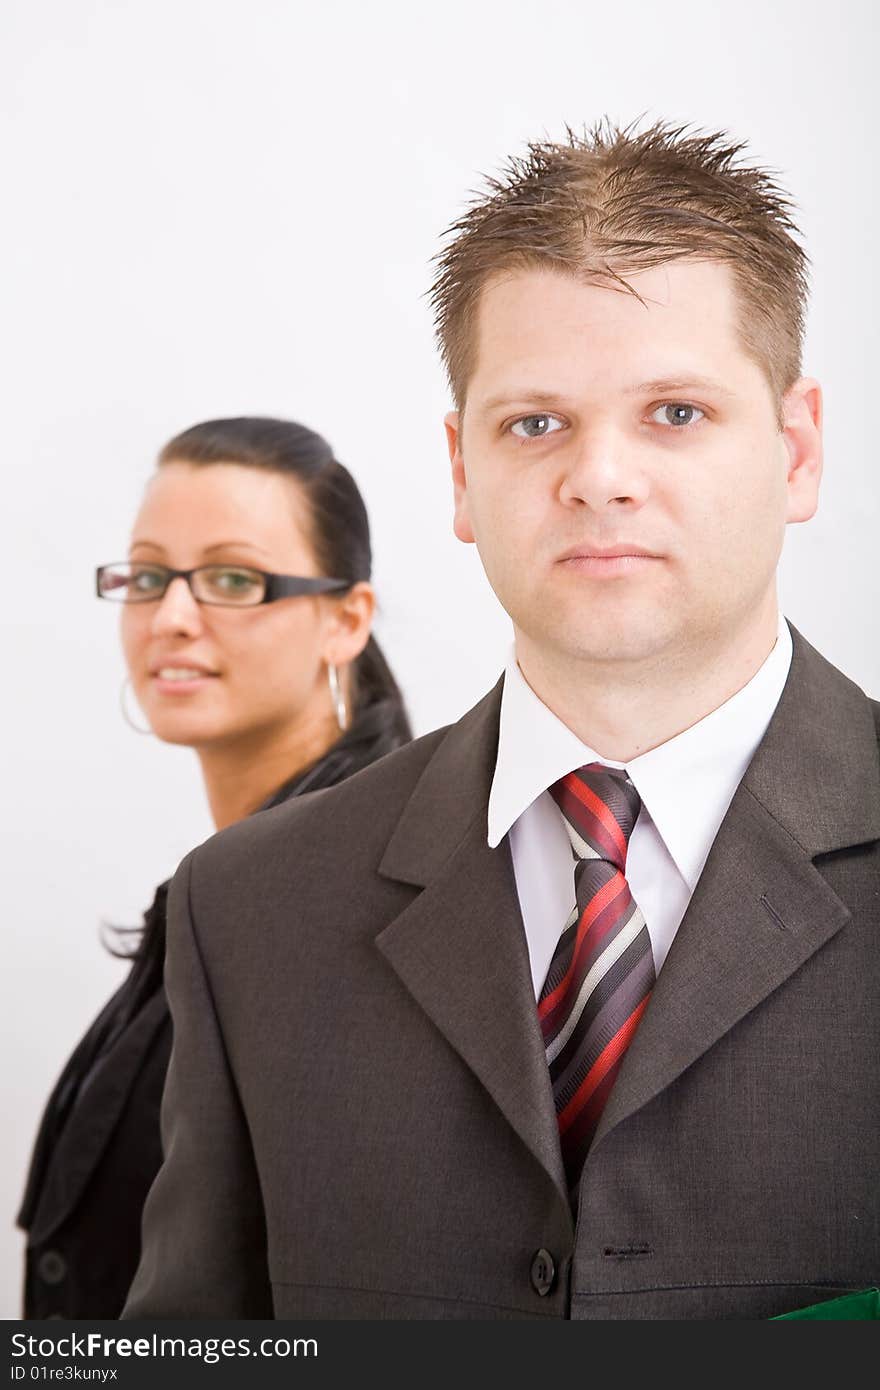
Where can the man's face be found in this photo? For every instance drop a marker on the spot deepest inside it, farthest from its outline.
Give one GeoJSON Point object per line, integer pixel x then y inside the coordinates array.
{"type": "Point", "coordinates": [595, 423]}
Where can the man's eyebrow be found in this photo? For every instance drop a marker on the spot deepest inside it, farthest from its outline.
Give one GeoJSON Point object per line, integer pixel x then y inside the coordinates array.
{"type": "Point", "coordinates": [668, 386]}
{"type": "Point", "coordinates": [660, 386]}
{"type": "Point", "coordinates": [533, 398]}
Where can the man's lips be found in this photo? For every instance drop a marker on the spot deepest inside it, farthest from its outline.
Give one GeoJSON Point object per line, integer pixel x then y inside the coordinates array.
{"type": "Point", "coordinates": [608, 552]}
{"type": "Point", "coordinates": [608, 562]}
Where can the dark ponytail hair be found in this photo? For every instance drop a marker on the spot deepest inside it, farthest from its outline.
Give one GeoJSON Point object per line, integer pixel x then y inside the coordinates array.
{"type": "Point", "coordinates": [340, 536]}
{"type": "Point", "coordinates": [340, 530]}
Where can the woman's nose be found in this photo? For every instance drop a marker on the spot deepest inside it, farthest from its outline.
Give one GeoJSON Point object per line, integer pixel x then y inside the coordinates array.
{"type": "Point", "coordinates": [177, 610]}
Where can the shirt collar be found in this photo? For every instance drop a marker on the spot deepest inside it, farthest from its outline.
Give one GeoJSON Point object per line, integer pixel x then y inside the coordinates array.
{"type": "Point", "coordinates": [686, 784]}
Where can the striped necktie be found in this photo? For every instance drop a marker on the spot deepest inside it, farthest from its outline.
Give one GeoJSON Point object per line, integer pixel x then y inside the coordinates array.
{"type": "Point", "coordinates": [602, 971]}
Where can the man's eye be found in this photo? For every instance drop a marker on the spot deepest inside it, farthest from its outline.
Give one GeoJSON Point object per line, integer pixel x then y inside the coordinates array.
{"type": "Point", "coordinates": [535, 426]}
{"type": "Point", "coordinates": [677, 414]}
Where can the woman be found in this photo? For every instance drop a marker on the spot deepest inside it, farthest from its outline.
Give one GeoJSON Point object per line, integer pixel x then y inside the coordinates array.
{"type": "Point", "coordinates": [246, 631]}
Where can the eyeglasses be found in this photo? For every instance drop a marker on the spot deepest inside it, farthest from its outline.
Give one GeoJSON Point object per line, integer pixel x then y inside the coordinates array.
{"type": "Point", "coordinates": [227, 586]}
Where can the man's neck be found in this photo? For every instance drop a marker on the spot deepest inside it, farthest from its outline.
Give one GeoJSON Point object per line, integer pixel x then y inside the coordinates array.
{"type": "Point", "coordinates": [623, 710]}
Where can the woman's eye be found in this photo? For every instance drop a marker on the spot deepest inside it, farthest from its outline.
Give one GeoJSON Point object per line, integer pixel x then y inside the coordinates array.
{"type": "Point", "coordinates": [233, 581]}
{"type": "Point", "coordinates": [677, 414]}
{"type": "Point", "coordinates": [535, 426]}
{"type": "Point", "coordinates": [146, 581]}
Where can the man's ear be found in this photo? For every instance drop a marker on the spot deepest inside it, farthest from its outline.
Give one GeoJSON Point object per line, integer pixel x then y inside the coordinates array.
{"type": "Point", "coordinates": [461, 523]}
{"type": "Point", "coordinates": [802, 435]}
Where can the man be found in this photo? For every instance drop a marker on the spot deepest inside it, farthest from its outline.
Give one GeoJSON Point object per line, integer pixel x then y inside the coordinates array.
{"type": "Point", "coordinates": [570, 1009]}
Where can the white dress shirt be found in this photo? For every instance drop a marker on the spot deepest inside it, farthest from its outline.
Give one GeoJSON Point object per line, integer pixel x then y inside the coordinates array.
{"type": "Point", "coordinates": [685, 784]}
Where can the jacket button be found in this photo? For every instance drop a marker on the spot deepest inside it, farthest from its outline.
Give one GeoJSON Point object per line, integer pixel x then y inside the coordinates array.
{"type": "Point", "coordinates": [51, 1267]}
{"type": "Point", "coordinates": [543, 1272]}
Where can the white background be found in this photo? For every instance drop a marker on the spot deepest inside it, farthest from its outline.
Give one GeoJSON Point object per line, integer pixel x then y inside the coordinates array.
{"type": "Point", "coordinates": [227, 208]}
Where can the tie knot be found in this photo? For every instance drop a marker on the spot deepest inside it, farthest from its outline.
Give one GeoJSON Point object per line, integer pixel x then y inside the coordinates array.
{"type": "Point", "coordinates": [600, 806]}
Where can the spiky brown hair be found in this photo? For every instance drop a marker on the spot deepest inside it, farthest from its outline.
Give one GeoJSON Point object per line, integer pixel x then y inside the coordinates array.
{"type": "Point", "coordinates": [609, 202]}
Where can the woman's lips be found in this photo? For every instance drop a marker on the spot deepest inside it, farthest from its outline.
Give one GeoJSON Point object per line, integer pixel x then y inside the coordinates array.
{"type": "Point", "coordinates": [180, 680]}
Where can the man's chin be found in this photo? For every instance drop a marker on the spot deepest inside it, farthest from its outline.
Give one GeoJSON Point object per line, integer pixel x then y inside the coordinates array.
{"type": "Point", "coordinates": [622, 636]}
{"type": "Point", "coordinates": [616, 646]}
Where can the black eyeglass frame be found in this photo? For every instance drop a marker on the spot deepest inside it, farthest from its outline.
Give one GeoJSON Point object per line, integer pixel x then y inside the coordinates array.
{"type": "Point", "coordinates": [275, 585]}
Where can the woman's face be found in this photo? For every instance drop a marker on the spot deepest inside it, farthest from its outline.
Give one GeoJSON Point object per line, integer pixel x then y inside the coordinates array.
{"type": "Point", "coordinates": [257, 672]}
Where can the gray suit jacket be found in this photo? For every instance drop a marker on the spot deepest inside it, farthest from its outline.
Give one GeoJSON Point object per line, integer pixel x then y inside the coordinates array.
{"type": "Point", "coordinates": [358, 1119]}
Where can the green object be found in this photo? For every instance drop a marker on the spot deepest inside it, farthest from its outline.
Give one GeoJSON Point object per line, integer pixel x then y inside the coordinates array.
{"type": "Point", "coordinates": [851, 1306]}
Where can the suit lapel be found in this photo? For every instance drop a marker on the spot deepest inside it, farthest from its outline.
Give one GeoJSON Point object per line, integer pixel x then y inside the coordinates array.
{"type": "Point", "coordinates": [758, 912]}
{"type": "Point", "coordinates": [762, 907]}
{"type": "Point", "coordinates": [460, 946]}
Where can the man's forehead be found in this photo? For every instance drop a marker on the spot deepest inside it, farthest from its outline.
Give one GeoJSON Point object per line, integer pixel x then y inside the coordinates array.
{"type": "Point", "coordinates": [683, 286]}
{"type": "Point", "coordinates": [681, 324]}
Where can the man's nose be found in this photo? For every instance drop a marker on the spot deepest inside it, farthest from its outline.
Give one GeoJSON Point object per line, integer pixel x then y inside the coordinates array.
{"type": "Point", "coordinates": [177, 611]}
{"type": "Point", "coordinates": [602, 469]}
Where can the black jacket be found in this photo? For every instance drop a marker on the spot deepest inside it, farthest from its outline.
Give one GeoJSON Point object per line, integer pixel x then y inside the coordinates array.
{"type": "Point", "coordinates": [98, 1147]}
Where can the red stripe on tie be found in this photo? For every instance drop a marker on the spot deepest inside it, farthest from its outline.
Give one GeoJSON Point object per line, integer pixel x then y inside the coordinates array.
{"type": "Point", "coordinates": [588, 825]}
{"type": "Point", "coordinates": [580, 1136]}
{"type": "Point", "coordinates": [601, 811]}
{"type": "Point", "coordinates": [599, 929]}
{"type": "Point", "coordinates": [613, 1052]}
{"type": "Point", "coordinates": [605, 896]}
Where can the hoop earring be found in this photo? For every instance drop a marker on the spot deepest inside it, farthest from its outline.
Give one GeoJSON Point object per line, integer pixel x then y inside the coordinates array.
{"type": "Point", "coordinates": [337, 696]}
{"type": "Point", "coordinates": [124, 707]}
